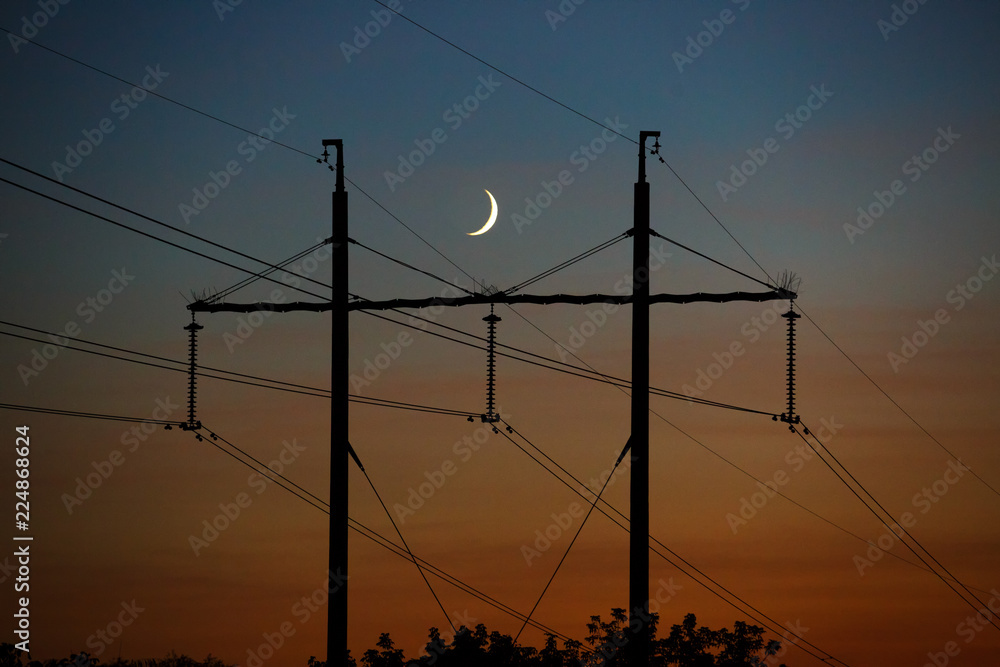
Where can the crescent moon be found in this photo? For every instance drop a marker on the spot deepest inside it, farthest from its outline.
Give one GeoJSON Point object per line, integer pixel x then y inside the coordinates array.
{"type": "Point", "coordinates": [493, 217]}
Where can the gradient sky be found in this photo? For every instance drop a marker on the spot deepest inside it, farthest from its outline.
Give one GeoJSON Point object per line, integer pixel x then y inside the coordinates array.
{"type": "Point", "coordinates": [887, 95]}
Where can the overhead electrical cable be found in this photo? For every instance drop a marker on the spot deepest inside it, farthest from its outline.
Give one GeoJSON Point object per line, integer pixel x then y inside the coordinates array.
{"type": "Point", "coordinates": [568, 262]}
{"type": "Point", "coordinates": [500, 71]}
{"type": "Point", "coordinates": [89, 415]}
{"type": "Point", "coordinates": [214, 298]}
{"type": "Point", "coordinates": [885, 522]}
{"type": "Point", "coordinates": [615, 382]}
{"type": "Point", "coordinates": [458, 583]}
{"type": "Point", "coordinates": [151, 236]}
{"type": "Point", "coordinates": [323, 506]}
{"type": "Point", "coordinates": [774, 626]}
{"type": "Point", "coordinates": [287, 386]}
{"type": "Point", "coordinates": [402, 539]}
{"type": "Point", "coordinates": [385, 403]}
{"type": "Point", "coordinates": [409, 266]}
{"type": "Point", "coordinates": [154, 93]}
{"type": "Point", "coordinates": [562, 560]}
{"type": "Point", "coordinates": [154, 220]}
{"type": "Point", "coordinates": [714, 261]}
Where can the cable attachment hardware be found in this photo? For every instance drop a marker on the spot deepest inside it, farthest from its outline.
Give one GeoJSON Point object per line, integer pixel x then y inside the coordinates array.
{"type": "Point", "coordinates": [491, 417]}
{"type": "Point", "coordinates": [790, 417]}
{"type": "Point", "coordinates": [656, 150]}
{"type": "Point", "coordinates": [192, 329]}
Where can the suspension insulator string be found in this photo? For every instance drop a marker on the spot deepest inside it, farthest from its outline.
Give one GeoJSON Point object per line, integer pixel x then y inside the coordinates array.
{"type": "Point", "coordinates": [790, 417]}
{"type": "Point", "coordinates": [491, 417]}
{"type": "Point", "coordinates": [192, 329]}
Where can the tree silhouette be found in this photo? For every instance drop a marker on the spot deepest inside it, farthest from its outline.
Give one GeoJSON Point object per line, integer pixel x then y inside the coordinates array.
{"type": "Point", "coordinates": [687, 645]}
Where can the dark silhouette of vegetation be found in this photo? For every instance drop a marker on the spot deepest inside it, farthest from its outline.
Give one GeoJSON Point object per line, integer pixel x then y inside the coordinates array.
{"type": "Point", "coordinates": [687, 645]}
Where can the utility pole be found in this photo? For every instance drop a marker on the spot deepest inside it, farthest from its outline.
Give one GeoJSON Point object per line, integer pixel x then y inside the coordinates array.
{"type": "Point", "coordinates": [638, 646]}
{"type": "Point", "coordinates": [336, 649]}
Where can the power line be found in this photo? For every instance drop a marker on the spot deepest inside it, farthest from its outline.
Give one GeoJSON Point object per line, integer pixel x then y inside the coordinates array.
{"type": "Point", "coordinates": [264, 470]}
{"type": "Point", "coordinates": [89, 415]}
{"type": "Point", "coordinates": [898, 406]}
{"type": "Point", "coordinates": [458, 583]}
{"type": "Point", "coordinates": [509, 76]}
{"type": "Point", "coordinates": [272, 267]}
{"type": "Point", "coordinates": [827, 336]}
{"type": "Point", "coordinates": [323, 506]}
{"type": "Point", "coordinates": [408, 266]}
{"type": "Point", "coordinates": [568, 262]}
{"type": "Point", "coordinates": [886, 524]}
{"type": "Point", "coordinates": [252, 279]}
{"type": "Point", "coordinates": [568, 548]}
{"type": "Point", "coordinates": [403, 540]}
{"type": "Point", "coordinates": [385, 403]}
{"type": "Point", "coordinates": [657, 542]}
{"type": "Point", "coordinates": [606, 379]}
{"type": "Point", "coordinates": [288, 386]}
{"type": "Point", "coordinates": [715, 261]}
{"type": "Point", "coordinates": [154, 93]}
{"type": "Point", "coordinates": [243, 129]}
{"type": "Point", "coordinates": [148, 235]}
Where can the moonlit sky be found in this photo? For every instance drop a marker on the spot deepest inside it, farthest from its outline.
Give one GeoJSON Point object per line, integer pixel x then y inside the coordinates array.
{"type": "Point", "coordinates": [897, 423]}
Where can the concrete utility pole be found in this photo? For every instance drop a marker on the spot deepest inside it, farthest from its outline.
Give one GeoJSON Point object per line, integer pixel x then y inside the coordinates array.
{"type": "Point", "coordinates": [339, 432]}
{"type": "Point", "coordinates": [638, 586]}
{"type": "Point", "coordinates": [638, 648]}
